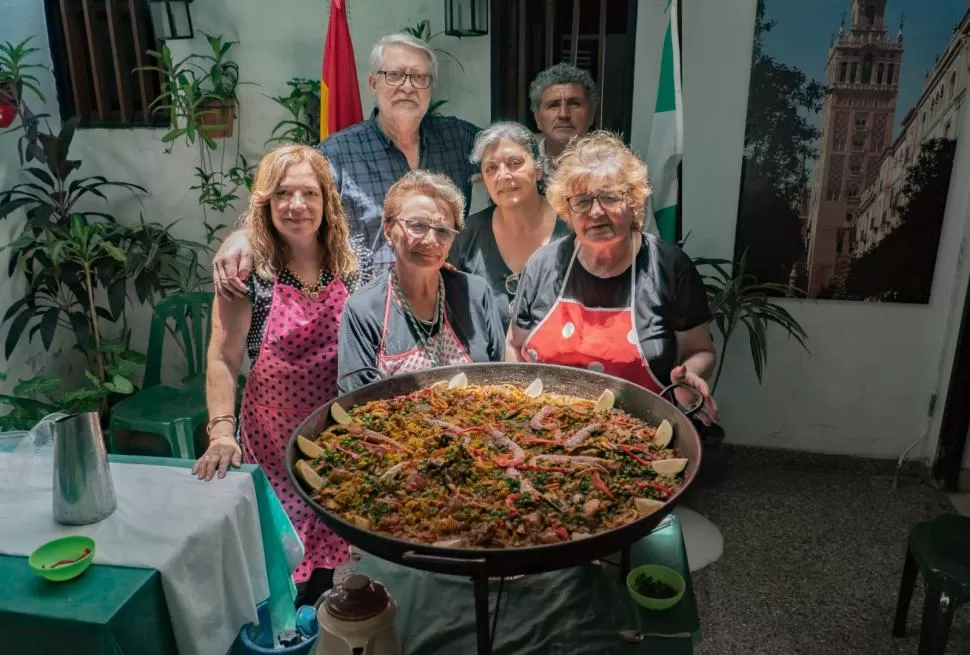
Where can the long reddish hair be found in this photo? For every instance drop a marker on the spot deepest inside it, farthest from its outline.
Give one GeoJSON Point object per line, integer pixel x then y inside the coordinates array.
{"type": "Point", "coordinates": [269, 249]}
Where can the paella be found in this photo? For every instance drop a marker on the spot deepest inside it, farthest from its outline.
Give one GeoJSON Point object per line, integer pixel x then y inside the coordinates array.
{"type": "Point", "coordinates": [490, 466]}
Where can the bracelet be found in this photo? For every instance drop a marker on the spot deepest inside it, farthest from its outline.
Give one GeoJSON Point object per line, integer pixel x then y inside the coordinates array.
{"type": "Point", "coordinates": [215, 420]}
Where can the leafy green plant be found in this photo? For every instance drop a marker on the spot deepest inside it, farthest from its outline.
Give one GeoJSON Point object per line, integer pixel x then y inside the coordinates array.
{"type": "Point", "coordinates": [736, 298]}
{"type": "Point", "coordinates": [54, 191]}
{"type": "Point", "coordinates": [190, 87]}
{"type": "Point", "coordinates": [71, 270]}
{"type": "Point", "coordinates": [29, 402]}
{"type": "Point", "coordinates": [34, 398]}
{"type": "Point", "coordinates": [303, 105]}
{"type": "Point", "coordinates": [15, 70]}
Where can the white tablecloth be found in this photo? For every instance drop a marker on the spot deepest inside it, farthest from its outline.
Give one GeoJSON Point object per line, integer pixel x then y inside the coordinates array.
{"type": "Point", "coordinates": [203, 537]}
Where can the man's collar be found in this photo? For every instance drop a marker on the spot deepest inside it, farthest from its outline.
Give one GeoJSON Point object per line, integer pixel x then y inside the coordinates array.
{"type": "Point", "coordinates": [386, 140]}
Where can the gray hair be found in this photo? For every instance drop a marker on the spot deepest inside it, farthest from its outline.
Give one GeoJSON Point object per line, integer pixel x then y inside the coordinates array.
{"type": "Point", "coordinates": [504, 130]}
{"type": "Point", "coordinates": [376, 58]}
{"type": "Point", "coordinates": [563, 73]}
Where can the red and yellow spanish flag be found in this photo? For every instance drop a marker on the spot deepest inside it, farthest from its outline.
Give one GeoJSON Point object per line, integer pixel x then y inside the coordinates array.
{"type": "Point", "coordinates": [339, 93]}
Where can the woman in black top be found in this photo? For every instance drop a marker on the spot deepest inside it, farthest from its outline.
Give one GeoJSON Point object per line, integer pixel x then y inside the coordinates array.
{"type": "Point", "coordinates": [613, 299]}
{"type": "Point", "coordinates": [497, 241]}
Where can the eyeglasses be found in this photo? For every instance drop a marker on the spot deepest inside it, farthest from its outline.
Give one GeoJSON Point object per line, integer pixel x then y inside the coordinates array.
{"type": "Point", "coordinates": [397, 78]}
{"type": "Point", "coordinates": [419, 229]}
{"type": "Point", "coordinates": [609, 200]}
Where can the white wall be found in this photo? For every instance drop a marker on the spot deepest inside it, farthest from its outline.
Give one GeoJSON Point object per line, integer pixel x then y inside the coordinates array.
{"type": "Point", "coordinates": [278, 41]}
{"type": "Point", "coordinates": [865, 387]}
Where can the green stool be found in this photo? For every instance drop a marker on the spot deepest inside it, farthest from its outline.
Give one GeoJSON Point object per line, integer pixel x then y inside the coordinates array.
{"type": "Point", "coordinates": [174, 413]}
{"type": "Point", "coordinates": [940, 550]}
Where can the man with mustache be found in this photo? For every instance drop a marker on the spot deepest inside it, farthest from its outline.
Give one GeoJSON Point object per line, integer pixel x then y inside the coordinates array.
{"type": "Point", "coordinates": [367, 158]}
{"type": "Point", "coordinates": [564, 99]}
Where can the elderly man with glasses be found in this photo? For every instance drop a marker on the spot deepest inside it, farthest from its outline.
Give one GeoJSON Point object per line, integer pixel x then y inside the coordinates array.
{"type": "Point", "coordinates": [367, 158]}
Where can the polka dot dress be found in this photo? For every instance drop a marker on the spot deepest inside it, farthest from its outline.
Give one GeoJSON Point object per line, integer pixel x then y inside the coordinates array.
{"type": "Point", "coordinates": [294, 373]}
{"type": "Point", "coordinates": [260, 292]}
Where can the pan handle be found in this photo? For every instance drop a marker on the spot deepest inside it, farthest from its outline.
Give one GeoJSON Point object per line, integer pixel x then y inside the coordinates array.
{"type": "Point", "coordinates": [460, 565]}
{"type": "Point", "coordinates": [691, 409]}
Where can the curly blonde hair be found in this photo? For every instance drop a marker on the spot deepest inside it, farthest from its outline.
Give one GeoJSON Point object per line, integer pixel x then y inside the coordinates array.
{"type": "Point", "coordinates": [595, 157]}
{"type": "Point", "coordinates": [436, 186]}
{"type": "Point", "coordinates": [269, 249]}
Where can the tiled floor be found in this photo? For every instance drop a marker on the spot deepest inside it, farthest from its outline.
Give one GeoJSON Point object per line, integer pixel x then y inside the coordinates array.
{"type": "Point", "coordinates": [813, 552]}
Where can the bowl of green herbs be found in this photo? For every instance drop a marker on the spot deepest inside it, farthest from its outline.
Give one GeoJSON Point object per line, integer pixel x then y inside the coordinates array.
{"type": "Point", "coordinates": [655, 587]}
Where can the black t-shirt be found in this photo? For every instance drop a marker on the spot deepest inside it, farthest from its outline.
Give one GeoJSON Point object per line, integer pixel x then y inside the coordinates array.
{"type": "Point", "coordinates": [475, 251]}
{"type": "Point", "coordinates": [670, 294]}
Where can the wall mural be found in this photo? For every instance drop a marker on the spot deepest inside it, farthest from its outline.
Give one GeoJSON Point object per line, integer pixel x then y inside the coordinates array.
{"type": "Point", "coordinates": [853, 114]}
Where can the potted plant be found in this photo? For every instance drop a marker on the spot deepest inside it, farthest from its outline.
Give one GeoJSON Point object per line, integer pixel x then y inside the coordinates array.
{"type": "Point", "coordinates": [199, 92]}
{"type": "Point", "coordinates": [14, 78]}
{"type": "Point", "coordinates": [218, 109]}
{"type": "Point", "coordinates": [736, 299]}
{"type": "Point", "coordinates": [303, 105]}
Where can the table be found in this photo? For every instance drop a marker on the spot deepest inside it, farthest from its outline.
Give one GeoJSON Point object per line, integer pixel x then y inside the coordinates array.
{"type": "Point", "coordinates": [117, 609]}
{"type": "Point", "coordinates": [110, 610]}
{"type": "Point", "coordinates": [579, 610]}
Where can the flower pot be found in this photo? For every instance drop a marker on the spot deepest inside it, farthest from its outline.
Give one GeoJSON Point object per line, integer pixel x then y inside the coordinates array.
{"type": "Point", "coordinates": [216, 117]}
{"type": "Point", "coordinates": [8, 105]}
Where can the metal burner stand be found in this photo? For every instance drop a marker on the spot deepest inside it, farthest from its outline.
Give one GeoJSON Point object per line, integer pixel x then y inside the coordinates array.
{"type": "Point", "coordinates": [485, 632]}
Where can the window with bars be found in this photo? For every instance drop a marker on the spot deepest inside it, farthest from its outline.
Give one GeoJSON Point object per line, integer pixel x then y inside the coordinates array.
{"type": "Point", "coordinates": [95, 46]}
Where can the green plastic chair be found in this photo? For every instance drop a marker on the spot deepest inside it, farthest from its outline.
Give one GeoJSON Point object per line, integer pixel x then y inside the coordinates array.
{"type": "Point", "coordinates": [939, 549]}
{"type": "Point", "coordinates": [174, 413]}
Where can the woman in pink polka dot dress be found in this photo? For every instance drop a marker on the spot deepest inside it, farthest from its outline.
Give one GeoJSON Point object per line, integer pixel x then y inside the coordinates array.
{"type": "Point", "coordinates": [306, 267]}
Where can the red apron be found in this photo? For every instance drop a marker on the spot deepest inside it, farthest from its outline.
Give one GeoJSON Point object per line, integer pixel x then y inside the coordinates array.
{"type": "Point", "coordinates": [417, 359]}
{"type": "Point", "coordinates": [602, 339]}
{"type": "Point", "coordinates": [295, 373]}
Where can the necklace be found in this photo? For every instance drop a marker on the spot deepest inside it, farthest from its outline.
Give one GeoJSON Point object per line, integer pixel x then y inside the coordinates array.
{"type": "Point", "coordinates": [425, 334]}
{"type": "Point", "coordinates": [309, 291]}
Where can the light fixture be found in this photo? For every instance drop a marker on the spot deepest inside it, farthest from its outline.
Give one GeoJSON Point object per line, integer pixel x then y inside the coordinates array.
{"type": "Point", "coordinates": [171, 19]}
{"type": "Point", "coordinates": [466, 17]}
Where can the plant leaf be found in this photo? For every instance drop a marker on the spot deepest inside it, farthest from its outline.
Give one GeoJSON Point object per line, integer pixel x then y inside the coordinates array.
{"type": "Point", "coordinates": [48, 326]}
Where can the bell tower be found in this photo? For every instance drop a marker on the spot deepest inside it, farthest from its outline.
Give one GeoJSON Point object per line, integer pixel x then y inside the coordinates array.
{"type": "Point", "coordinates": [862, 74]}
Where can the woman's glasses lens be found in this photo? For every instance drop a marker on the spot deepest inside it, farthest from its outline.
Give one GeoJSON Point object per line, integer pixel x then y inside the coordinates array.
{"type": "Point", "coordinates": [420, 229]}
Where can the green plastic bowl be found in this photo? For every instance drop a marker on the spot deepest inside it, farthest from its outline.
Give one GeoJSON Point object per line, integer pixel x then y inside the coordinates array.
{"type": "Point", "coordinates": [662, 573]}
{"type": "Point", "coordinates": [60, 549]}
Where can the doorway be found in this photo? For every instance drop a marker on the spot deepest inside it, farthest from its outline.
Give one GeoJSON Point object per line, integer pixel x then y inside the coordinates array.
{"type": "Point", "coordinates": [595, 35]}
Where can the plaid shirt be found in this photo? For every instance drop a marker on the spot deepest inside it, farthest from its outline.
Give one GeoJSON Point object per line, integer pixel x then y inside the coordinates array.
{"type": "Point", "coordinates": [365, 163]}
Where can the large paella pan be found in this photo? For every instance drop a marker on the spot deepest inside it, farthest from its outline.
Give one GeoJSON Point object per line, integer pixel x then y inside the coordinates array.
{"type": "Point", "coordinates": [479, 470]}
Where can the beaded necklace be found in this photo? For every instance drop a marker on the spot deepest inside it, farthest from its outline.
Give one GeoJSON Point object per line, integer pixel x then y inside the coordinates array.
{"type": "Point", "coordinates": [424, 333]}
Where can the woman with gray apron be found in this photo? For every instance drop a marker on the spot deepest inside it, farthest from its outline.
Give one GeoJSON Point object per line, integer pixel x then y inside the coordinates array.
{"type": "Point", "coordinates": [421, 313]}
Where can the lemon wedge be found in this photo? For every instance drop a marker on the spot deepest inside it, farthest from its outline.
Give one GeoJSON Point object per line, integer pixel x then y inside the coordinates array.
{"type": "Point", "coordinates": [308, 448]}
{"type": "Point", "coordinates": [534, 390]}
{"type": "Point", "coordinates": [664, 434]}
{"type": "Point", "coordinates": [460, 381]}
{"type": "Point", "coordinates": [306, 473]}
{"type": "Point", "coordinates": [339, 414]}
{"type": "Point", "coordinates": [605, 402]}
{"type": "Point", "coordinates": [669, 466]}
{"type": "Point", "coordinates": [646, 506]}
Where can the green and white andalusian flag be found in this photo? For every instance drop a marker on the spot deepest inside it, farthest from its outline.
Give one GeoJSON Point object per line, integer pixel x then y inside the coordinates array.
{"type": "Point", "coordinates": [667, 136]}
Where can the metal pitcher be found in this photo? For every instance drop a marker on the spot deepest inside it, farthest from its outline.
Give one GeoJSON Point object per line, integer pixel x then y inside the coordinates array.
{"type": "Point", "coordinates": [83, 490]}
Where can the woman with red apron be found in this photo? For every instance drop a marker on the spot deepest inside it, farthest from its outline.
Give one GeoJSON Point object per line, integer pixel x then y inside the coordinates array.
{"type": "Point", "coordinates": [616, 300]}
{"type": "Point", "coordinates": [601, 339]}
